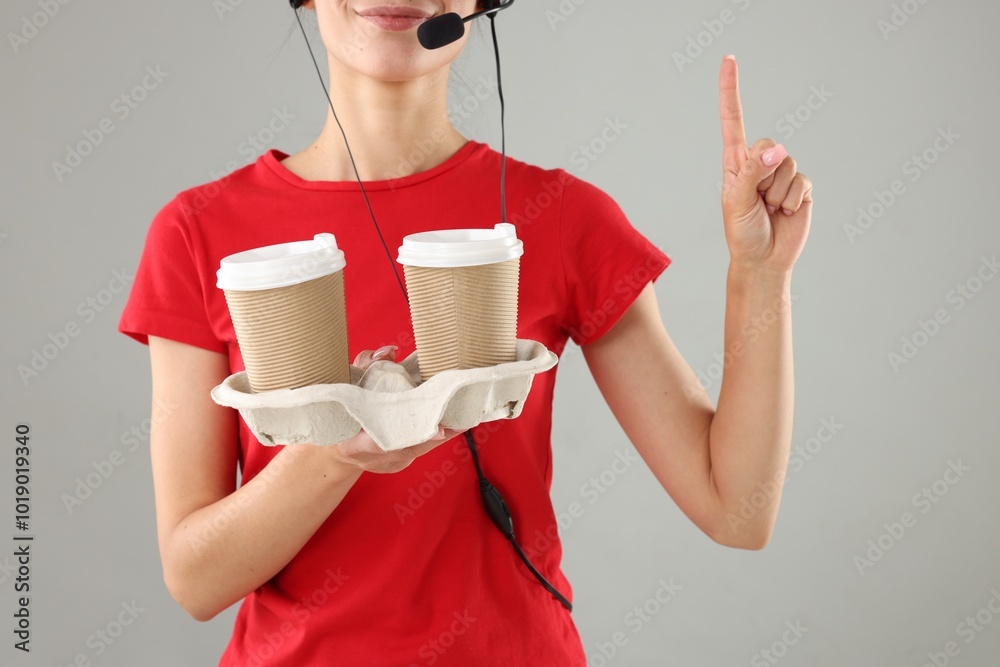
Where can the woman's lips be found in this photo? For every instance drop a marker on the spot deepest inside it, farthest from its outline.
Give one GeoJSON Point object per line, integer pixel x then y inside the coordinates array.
{"type": "Point", "coordinates": [395, 18]}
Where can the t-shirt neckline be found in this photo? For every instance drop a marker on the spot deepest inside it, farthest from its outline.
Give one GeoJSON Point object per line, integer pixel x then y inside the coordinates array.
{"type": "Point", "coordinates": [272, 159]}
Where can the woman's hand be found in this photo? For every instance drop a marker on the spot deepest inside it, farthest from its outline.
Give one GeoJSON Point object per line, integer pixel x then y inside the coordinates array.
{"type": "Point", "coordinates": [362, 452]}
{"type": "Point", "coordinates": [766, 204]}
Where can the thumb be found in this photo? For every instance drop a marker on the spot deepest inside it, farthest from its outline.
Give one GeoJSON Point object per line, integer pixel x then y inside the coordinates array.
{"type": "Point", "coordinates": [763, 161]}
{"type": "Point", "coordinates": [367, 357]}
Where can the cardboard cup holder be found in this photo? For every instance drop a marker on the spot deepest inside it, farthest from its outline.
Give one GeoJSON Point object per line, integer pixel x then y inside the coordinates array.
{"type": "Point", "coordinates": [388, 400]}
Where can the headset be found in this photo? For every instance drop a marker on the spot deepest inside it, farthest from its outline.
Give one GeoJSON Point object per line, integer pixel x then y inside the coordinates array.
{"type": "Point", "coordinates": [435, 33]}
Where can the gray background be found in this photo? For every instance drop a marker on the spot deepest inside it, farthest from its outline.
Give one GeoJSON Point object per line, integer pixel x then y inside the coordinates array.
{"type": "Point", "coordinates": [856, 300]}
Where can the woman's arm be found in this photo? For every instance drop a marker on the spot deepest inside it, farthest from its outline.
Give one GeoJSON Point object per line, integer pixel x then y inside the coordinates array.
{"type": "Point", "coordinates": [709, 461]}
{"type": "Point", "coordinates": [723, 467]}
{"type": "Point", "coordinates": [218, 543]}
{"type": "Point", "coordinates": [751, 432]}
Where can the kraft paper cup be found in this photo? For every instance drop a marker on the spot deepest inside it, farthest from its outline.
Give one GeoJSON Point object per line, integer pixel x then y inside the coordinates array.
{"type": "Point", "coordinates": [462, 286]}
{"type": "Point", "coordinates": [289, 312]}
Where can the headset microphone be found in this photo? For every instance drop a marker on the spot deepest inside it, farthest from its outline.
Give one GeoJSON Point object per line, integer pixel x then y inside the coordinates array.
{"type": "Point", "coordinates": [441, 31]}
{"type": "Point", "coordinates": [448, 28]}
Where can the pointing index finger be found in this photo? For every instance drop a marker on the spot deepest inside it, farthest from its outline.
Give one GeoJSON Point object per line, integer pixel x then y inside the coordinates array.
{"type": "Point", "coordinates": [734, 139]}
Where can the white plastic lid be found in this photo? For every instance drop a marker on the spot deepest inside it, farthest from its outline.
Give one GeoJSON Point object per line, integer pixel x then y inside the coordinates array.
{"type": "Point", "coordinates": [281, 264]}
{"type": "Point", "coordinates": [448, 248]}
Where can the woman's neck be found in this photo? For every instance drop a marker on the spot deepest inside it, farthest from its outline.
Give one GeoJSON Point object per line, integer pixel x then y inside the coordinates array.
{"type": "Point", "coordinates": [394, 128]}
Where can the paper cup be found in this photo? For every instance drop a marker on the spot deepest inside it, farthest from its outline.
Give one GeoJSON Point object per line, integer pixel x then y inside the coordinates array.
{"type": "Point", "coordinates": [289, 312]}
{"type": "Point", "coordinates": [462, 286]}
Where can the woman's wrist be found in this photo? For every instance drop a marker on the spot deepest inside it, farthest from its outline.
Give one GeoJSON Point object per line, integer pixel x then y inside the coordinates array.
{"type": "Point", "coordinates": [324, 460]}
{"type": "Point", "coordinates": [743, 274]}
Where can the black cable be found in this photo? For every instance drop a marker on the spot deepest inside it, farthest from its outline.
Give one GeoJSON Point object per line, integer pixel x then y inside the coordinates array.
{"type": "Point", "coordinates": [350, 155]}
{"type": "Point", "coordinates": [475, 453]}
{"type": "Point", "coordinates": [549, 587]}
{"type": "Point", "coordinates": [503, 131]}
{"type": "Point", "coordinates": [498, 512]}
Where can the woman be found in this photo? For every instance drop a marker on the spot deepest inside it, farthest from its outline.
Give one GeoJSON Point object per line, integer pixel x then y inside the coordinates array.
{"type": "Point", "coordinates": [347, 555]}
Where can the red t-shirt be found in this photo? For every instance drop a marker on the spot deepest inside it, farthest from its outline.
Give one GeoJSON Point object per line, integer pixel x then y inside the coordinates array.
{"type": "Point", "coordinates": [408, 570]}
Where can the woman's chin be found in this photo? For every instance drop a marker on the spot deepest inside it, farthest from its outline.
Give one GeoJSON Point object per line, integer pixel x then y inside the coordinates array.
{"type": "Point", "coordinates": [394, 65]}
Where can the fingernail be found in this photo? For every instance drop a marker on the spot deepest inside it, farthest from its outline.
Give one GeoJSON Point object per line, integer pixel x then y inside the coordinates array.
{"type": "Point", "coordinates": [774, 155]}
{"type": "Point", "coordinates": [786, 211]}
{"type": "Point", "coordinates": [383, 351]}
{"type": "Point", "coordinates": [771, 209]}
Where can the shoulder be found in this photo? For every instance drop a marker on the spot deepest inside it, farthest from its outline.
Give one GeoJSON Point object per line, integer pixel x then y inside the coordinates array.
{"type": "Point", "coordinates": [543, 183]}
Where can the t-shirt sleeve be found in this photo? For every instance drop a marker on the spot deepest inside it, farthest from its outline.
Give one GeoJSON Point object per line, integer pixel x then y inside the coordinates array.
{"type": "Point", "coordinates": [167, 298]}
{"type": "Point", "coordinates": [606, 261]}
